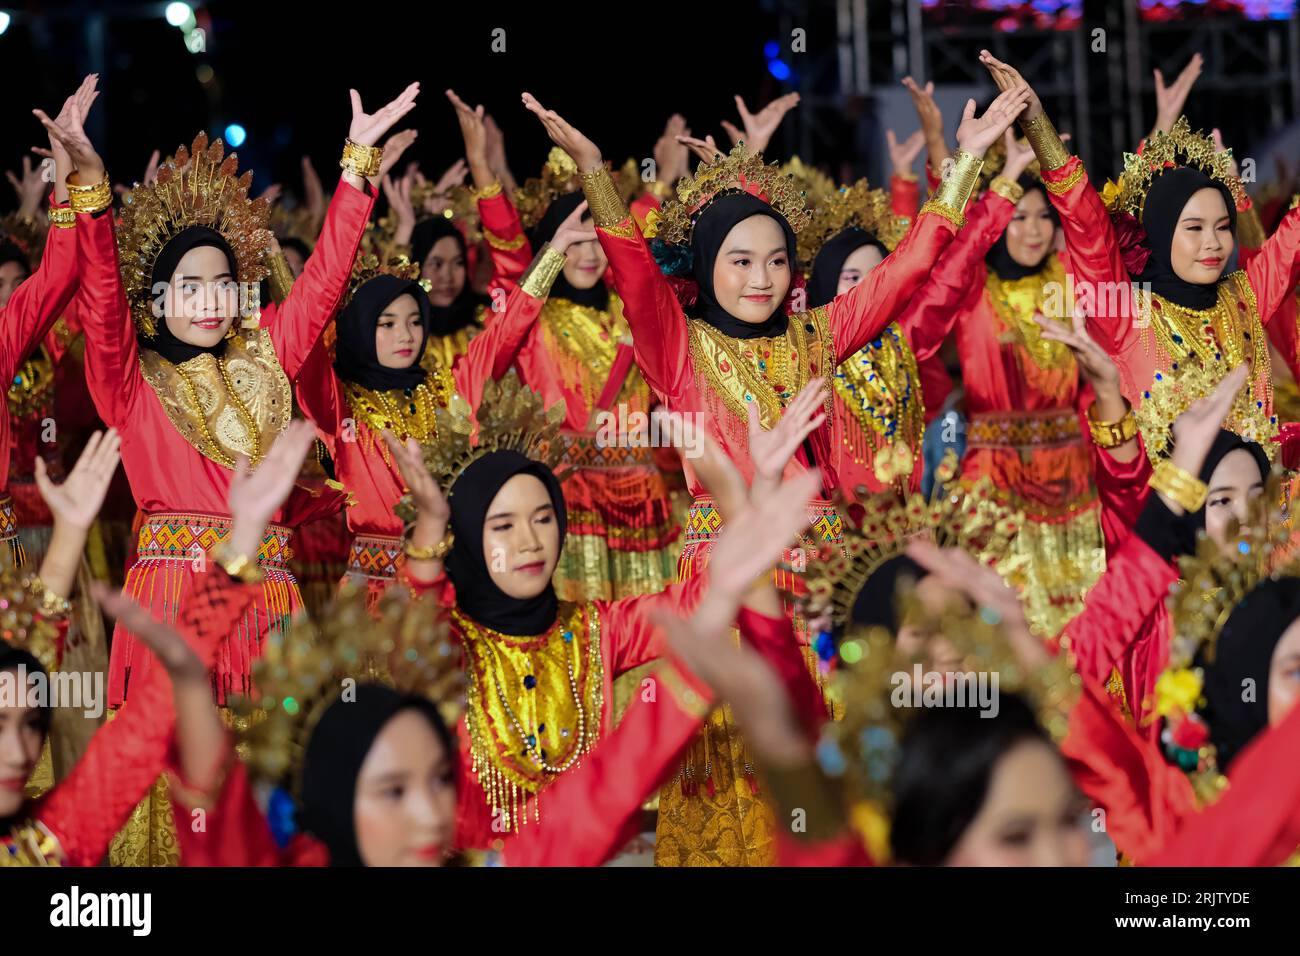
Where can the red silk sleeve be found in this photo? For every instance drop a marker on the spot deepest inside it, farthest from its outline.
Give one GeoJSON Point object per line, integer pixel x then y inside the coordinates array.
{"type": "Point", "coordinates": [38, 302]}
{"type": "Point", "coordinates": [111, 372]}
{"type": "Point", "coordinates": [659, 334]}
{"type": "Point", "coordinates": [320, 396]}
{"type": "Point", "coordinates": [504, 232]}
{"type": "Point", "coordinates": [494, 350]}
{"type": "Point", "coordinates": [932, 179]}
{"type": "Point", "coordinates": [1146, 800]}
{"type": "Point", "coordinates": [126, 756]}
{"type": "Point", "coordinates": [938, 305]}
{"type": "Point", "coordinates": [296, 324]}
{"type": "Point", "coordinates": [1136, 580]}
{"type": "Point", "coordinates": [773, 637]}
{"type": "Point", "coordinates": [904, 196]}
{"type": "Point", "coordinates": [628, 623]}
{"type": "Point", "coordinates": [592, 809]}
{"type": "Point", "coordinates": [1284, 334]}
{"type": "Point", "coordinates": [1094, 257]}
{"type": "Point", "coordinates": [1256, 822]}
{"type": "Point", "coordinates": [1122, 492]}
{"type": "Point", "coordinates": [861, 314]}
{"type": "Point", "coordinates": [1275, 269]}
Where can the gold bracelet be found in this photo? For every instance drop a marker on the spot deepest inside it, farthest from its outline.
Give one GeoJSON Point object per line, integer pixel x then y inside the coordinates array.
{"type": "Point", "coordinates": [362, 160]}
{"type": "Point", "coordinates": [1111, 434]}
{"type": "Point", "coordinates": [280, 277]}
{"type": "Point", "coordinates": [62, 216]}
{"type": "Point", "coordinates": [505, 245]}
{"type": "Point", "coordinates": [239, 566]}
{"type": "Point", "coordinates": [52, 605]}
{"type": "Point", "coordinates": [955, 187]}
{"type": "Point", "coordinates": [1188, 490]}
{"type": "Point", "coordinates": [488, 192]}
{"type": "Point", "coordinates": [607, 207]}
{"type": "Point", "coordinates": [660, 190]}
{"type": "Point", "coordinates": [434, 552]}
{"type": "Point", "coordinates": [1008, 189]}
{"type": "Point", "coordinates": [1066, 184]}
{"type": "Point", "coordinates": [542, 272]}
{"type": "Point", "coordinates": [907, 177]}
{"type": "Point", "coordinates": [1042, 136]}
{"type": "Point", "coordinates": [89, 199]}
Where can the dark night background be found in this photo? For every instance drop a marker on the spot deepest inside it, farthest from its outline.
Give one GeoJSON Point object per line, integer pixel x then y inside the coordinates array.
{"type": "Point", "coordinates": [617, 70]}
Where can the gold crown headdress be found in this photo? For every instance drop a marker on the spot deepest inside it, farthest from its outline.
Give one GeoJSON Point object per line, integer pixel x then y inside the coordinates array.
{"type": "Point", "coordinates": [405, 643]}
{"type": "Point", "coordinates": [811, 181]}
{"type": "Point", "coordinates": [196, 187]}
{"type": "Point", "coordinates": [973, 519]}
{"type": "Point", "coordinates": [367, 266]}
{"type": "Point", "coordinates": [25, 235]}
{"type": "Point", "coordinates": [738, 171]}
{"type": "Point", "coordinates": [24, 614]}
{"type": "Point", "coordinates": [857, 206]}
{"type": "Point", "coordinates": [1161, 151]}
{"type": "Point", "coordinates": [1172, 392]}
{"type": "Point", "coordinates": [559, 176]}
{"type": "Point", "coordinates": [510, 417]}
{"type": "Point", "coordinates": [296, 223]}
{"type": "Point", "coordinates": [863, 748]}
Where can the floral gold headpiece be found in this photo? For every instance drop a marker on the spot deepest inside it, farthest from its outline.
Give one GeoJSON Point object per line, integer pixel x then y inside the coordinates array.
{"type": "Point", "coordinates": [857, 206]}
{"type": "Point", "coordinates": [1161, 151]}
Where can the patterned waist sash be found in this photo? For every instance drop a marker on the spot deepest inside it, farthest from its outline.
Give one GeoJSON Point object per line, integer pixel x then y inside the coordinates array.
{"type": "Point", "coordinates": [704, 523]}
{"type": "Point", "coordinates": [375, 556]}
{"type": "Point", "coordinates": [184, 537]}
{"type": "Point", "coordinates": [9, 531]}
{"type": "Point", "coordinates": [584, 450]}
{"type": "Point", "coordinates": [1024, 431]}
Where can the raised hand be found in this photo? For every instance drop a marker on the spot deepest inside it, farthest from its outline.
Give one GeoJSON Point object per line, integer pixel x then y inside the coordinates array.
{"type": "Point", "coordinates": [255, 496]}
{"type": "Point", "coordinates": [271, 193]}
{"type": "Point", "coordinates": [754, 539]}
{"type": "Point", "coordinates": [313, 194]}
{"type": "Point", "coordinates": [428, 497]}
{"type": "Point", "coordinates": [903, 155]}
{"type": "Point", "coordinates": [706, 149]}
{"type": "Point", "coordinates": [573, 230]}
{"type": "Point", "coordinates": [394, 147]}
{"type": "Point", "coordinates": [670, 153]}
{"type": "Point", "coordinates": [398, 194]}
{"type": "Point", "coordinates": [931, 117]}
{"type": "Point", "coordinates": [29, 187]}
{"type": "Point", "coordinates": [77, 501]}
{"type": "Point", "coordinates": [1195, 429]}
{"type": "Point", "coordinates": [367, 128]}
{"type": "Point", "coordinates": [171, 649]}
{"type": "Point", "coordinates": [1019, 156]}
{"type": "Point", "coordinates": [716, 472]}
{"type": "Point", "coordinates": [760, 126]}
{"type": "Point", "coordinates": [976, 134]}
{"type": "Point", "coordinates": [1171, 99]}
{"type": "Point", "coordinates": [1096, 365]}
{"type": "Point", "coordinates": [496, 153]}
{"type": "Point", "coordinates": [473, 130]}
{"type": "Point", "coordinates": [771, 450]}
{"type": "Point", "coordinates": [580, 149]}
{"type": "Point", "coordinates": [1007, 78]}
{"type": "Point", "coordinates": [68, 135]}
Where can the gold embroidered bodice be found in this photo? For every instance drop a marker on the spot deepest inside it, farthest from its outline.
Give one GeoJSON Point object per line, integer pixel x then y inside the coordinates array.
{"type": "Point", "coordinates": [441, 351]}
{"type": "Point", "coordinates": [534, 705]}
{"type": "Point", "coordinates": [33, 385]}
{"type": "Point", "coordinates": [233, 405]}
{"type": "Point", "coordinates": [30, 844]}
{"type": "Point", "coordinates": [881, 388]}
{"type": "Point", "coordinates": [582, 342]}
{"type": "Point", "coordinates": [407, 413]}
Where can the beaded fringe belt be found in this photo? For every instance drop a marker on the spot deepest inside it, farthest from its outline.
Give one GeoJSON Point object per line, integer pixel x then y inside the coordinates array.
{"type": "Point", "coordinates": [9, 531]}
{"type": "Point", "coordinates": [1024, 430]}
{"type": "Point", "coordinates": [583, 450]}
{"type": "Point", "coordinates": [184, 537]}
{"type": "Point", "coordinates": [375, 556]}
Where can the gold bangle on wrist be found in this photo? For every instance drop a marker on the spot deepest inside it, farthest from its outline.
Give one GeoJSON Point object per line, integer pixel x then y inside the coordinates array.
{"type": "Point", "coordinates": [64, 217]}
{"type": "Point", "coordinates": [607, 207]}
{"type": "Point", "coordinates": [488, 191]}
{"type": "Point", "coordinates": [505, 245]}
{"type": "Point", "coordinates": [434, 552]}
{"type": "Point", "coordinates": [542, 272]}
{"type": "Point", "coordinates": [52, 605]}
{"type": "Point", "coordinates": [1008, 189]}
{"type": "Point", "coordinates": [1186, 489]}
{"type": "Point", "coordinates": [1111, 434]}
{"type": "Point", "coordinates": [955, 187]}
{"type": "Point", "coordinates": [91, 199]}
{"type": "Point", "coordinates": [1046, 142]}
{"type": "Point", "coordinates": [279, 277]}
{"type": "Point", "coordinates": [362, 160]}
{"type": "Point", "coordinates": [239, 566]}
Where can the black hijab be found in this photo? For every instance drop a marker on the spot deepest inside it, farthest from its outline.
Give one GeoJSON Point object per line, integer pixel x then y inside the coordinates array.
{"type": "Point", "coordinates": [597, 297]}
{"type": "Point", "coordinates": [998, 258]}
{"type": "Point", "coordinates": [706, 242]}
{"type": "Point", "coordinates": [357, 360]}
{"type": "Point", "coordinates": [824, 279]}
{"type": "Point", "coordinates": [1244, 651]}
{"type": "Point", "coordinates": [1164, 205]}
{"type": "Point", "coordinates": [446, 319]}
{"type": "Point", "coordinates": [476, 595]}
{"type": "Point", "coordinates": [165, 342]}
{"type": "Point", "coordinates": [332, 762]}
{"type": "Point", "coordinates": [877, 603]}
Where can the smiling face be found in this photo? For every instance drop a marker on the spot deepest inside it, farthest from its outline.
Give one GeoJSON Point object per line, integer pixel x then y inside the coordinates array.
{"type": "Point", "coordinates": [444, 266]}
{"type": "Point", "coordinates": [1031, 815]}
{"type": "Point", "coordinates": [202, 300]}
{"type": "Point", "coordinates": [404, 811]}
{"type": "Point", "coordinates": [585, 265]}
{"type": "Point", "coordinates": [1203, 238]}
{"type": "Point", "coordinates": [1234, 485]}
{"type": "Point", "coordinates": [11, 276]}
{"type": "Point", "coordinates": [1031, 232]}
{"type": "Point", "coordinates": [399, 333]}
{"type": "Point", "coordinates": [521, 538]}
{"type": "Point", "coordinates": [21, 739]}
{"type": "Point", "coordinates": [751, 274]}
{"type": "Point", "coordinates": [860, 261]}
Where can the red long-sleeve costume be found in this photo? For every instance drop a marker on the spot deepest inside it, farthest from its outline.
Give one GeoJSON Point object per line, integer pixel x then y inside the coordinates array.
{"type": "Point", "coordinates": [126, 755]}
{"type": "Point", "coordinates": [169, 475]}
